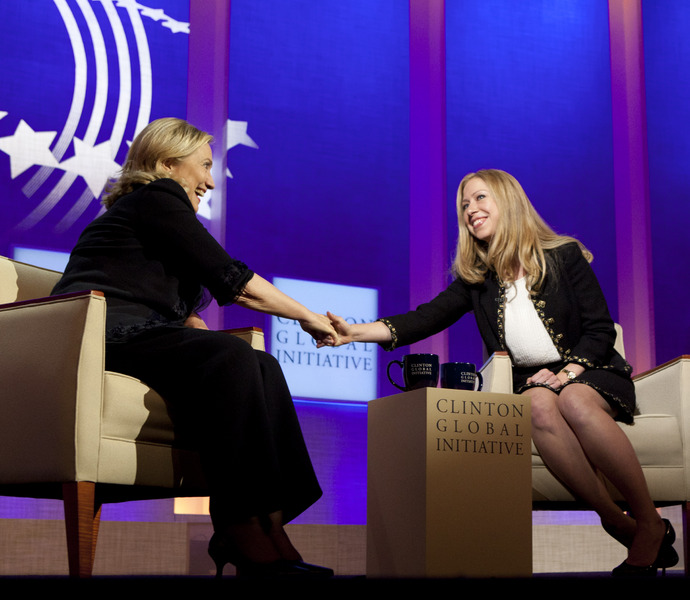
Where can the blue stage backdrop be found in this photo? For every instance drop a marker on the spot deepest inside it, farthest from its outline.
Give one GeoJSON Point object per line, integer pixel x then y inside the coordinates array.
{"type": "Point", "coordinates": [667, 56]}
{"type": "Point", "coordinates": [323, 87]}
{"type": "Point", "coordinates": [529, 92]}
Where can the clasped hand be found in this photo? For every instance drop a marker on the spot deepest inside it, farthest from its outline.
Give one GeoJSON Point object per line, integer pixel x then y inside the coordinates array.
{"type": "Point", "coordinates": [547, 378]}
{"type": "Point", "coordinates": [320, 328]}
{"type": "Point", "coordinates": [342, 330]}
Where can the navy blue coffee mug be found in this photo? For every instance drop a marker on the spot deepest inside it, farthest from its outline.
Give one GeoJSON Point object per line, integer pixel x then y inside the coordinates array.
{"type": "Point", "coordinates": [419, 371]}
{"type": "Point", "coordinates": [461, 376]}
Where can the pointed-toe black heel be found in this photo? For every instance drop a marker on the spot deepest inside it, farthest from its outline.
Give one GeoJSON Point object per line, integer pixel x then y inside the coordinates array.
{"type": "Point", "coordinates": [666, 558]}
{"type": "Point", "coordinates": [313, 570]}
{"type": "Point", "coordinates": [627, 570]}
{"type": "Point", "coordinates": [223, 553]}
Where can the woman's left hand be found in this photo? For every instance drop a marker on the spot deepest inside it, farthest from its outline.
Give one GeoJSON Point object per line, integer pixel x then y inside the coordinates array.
{"type": "Point", "coordinates": [547, 378]}
{"type": "Point", "coordinates": [320, 328]}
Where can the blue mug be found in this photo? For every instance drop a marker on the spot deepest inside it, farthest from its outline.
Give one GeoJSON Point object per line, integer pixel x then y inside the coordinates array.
{"type": "Point", "coordinates": [461, 376]}
{"type": "Point", "coordinates": [419, 371]}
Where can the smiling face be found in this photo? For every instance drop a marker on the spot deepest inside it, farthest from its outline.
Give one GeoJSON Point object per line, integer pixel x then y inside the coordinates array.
{"type": "Point", "coordinates": [479, 210]}
{"type": "Point", "coordinates": [194, 173]}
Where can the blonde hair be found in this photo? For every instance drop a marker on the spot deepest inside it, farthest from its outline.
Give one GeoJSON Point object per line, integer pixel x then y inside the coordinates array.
{"type": "Point", "coordinates": [161, 142]}
{"type": "Point", "coordinates": [520, 238]}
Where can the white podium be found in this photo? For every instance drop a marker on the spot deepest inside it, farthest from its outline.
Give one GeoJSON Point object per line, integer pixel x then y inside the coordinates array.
{"type": "Point", "coordinates": [449, 485]}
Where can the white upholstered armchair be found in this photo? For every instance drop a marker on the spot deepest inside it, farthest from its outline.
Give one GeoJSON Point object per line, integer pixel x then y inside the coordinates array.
{"type": "Point", "coordinates": [660, 436]}
{"type": "Point", "coordinates": [71, 430]}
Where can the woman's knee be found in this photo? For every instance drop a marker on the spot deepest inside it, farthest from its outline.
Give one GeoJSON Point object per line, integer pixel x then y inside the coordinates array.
{"type": "Point", "coordinates": [579, 404]}
{"type": "Point", "coordinates": [543, 407]}
{"type": "Point", "coordinates": [267, 360]}
{"type": "Point", "coordinates": [221, 355]}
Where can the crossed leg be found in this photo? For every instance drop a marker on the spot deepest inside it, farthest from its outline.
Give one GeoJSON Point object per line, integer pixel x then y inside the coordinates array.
{"type": "Point", "coordinates": [577, 437]}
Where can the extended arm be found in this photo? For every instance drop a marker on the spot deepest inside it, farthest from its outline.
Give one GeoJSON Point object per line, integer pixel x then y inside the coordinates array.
{"type": "Point", "coordinates": [347, 333]}
{"type": "Point", "coordinates": [262, 296]}
{"type": "Point", "coordinates": [171, 220]}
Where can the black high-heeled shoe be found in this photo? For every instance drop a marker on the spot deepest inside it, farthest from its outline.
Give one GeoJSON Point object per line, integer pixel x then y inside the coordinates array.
{"type": "Point", "coordinates": [222, 553]}
{"type": "Point", "coordinates": [625, 569]}
{"type": "Point", "coordinates": [666, 557]}
{"type": "Point", "coordinates": [315, 570]}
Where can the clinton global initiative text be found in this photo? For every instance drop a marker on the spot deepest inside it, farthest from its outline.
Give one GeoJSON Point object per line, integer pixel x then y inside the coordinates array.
{"type": "Point", "coordinates": [324, 359]}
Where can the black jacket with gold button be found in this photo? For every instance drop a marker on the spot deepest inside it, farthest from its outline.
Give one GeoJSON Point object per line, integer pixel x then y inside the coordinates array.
{"type": "Point", "coordinates": [571, 305]}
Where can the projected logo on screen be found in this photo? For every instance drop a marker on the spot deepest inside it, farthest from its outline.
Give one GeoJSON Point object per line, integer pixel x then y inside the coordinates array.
{"type": "Point", "coordinates": [343, 373]}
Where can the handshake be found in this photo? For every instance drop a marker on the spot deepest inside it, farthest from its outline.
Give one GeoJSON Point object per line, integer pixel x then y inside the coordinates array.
{"type": "Point", "coordinates": [332, 330]}
{"type": "Point", "coordinates": [327, 330]}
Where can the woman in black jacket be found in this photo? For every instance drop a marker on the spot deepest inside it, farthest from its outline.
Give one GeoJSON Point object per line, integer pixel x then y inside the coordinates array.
{"type": "Point", "coordinates": [156, 264]}
{"type": "Point", "coordinates": [534, 294]}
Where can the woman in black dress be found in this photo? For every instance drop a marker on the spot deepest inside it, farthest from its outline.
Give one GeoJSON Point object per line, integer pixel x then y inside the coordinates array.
{"type": "Point", "coordinates": [534, 294]}
{"type": "Point", "coordinates": [157, 266]}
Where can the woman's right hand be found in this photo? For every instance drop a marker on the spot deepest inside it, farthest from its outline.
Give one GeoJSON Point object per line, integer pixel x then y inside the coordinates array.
{"type": "Point", "coordinates": [546, 377]}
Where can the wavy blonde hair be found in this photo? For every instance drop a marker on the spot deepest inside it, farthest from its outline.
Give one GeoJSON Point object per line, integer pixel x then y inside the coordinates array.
{"type": "Point", "coordinates": [160, 143]}
{"type": "Point", "coordinates": [521, 236]}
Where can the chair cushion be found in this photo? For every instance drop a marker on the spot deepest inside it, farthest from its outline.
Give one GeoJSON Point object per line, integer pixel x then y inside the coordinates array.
{"type": "Point", "coordinates": [133, 411]}
{"type": "Point", "coordinates": [138, 443]}
{"type": "Point", "coordinates": [655, 438]}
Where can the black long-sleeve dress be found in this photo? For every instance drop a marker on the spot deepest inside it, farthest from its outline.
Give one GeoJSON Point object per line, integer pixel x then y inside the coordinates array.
{"type": "Point", "coordinates": [154, 261]}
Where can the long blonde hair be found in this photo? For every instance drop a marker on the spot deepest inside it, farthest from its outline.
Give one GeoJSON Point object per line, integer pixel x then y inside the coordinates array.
{"type": "Point", "coordinates": [521, 236]}
{"type": "Point", "coordinates": [162, 141]}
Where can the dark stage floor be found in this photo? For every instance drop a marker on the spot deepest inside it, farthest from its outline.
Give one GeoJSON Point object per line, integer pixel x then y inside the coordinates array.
{"type": "Point", "coordinates": [601, 582]}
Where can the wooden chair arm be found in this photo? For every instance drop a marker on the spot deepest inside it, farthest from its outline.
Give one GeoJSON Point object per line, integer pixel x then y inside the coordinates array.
{"type": "Point", "coordinates": [252, 335]}
{"type": "Point", "coordinates": [49, 299]}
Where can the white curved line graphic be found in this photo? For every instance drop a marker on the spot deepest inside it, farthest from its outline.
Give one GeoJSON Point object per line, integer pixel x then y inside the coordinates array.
{"type": "Point", "coordinates": [96, 119]}
{"type": "Point", "coordinates": [76, 211]}
{"type": "Point", "coordinates": [80, 76]}
{"type": "Point", "coordinates": [97, 112]}
{"type": "Point", "coordinates": [78, 97]}
{"type": "Point", "coordinates": [145, 74]}
{"type": "Point", "coordinates": [101, 96]}
{"type": "Point", "coordinates": [123, 107]}
{"type": "Point", "coordinates": [95, 122]}
{"type": "Point", "coordinates": [125, 65]}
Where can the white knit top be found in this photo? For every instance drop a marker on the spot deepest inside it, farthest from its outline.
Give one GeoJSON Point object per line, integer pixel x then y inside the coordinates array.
{"type": "Point", "coordinates": [526, 337]}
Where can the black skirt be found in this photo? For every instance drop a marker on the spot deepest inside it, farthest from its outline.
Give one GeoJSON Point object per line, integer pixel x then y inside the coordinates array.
{"type": "Point", "coordinates": [232, 402]}
{"type": "Point", "coordinates": [614, 387]}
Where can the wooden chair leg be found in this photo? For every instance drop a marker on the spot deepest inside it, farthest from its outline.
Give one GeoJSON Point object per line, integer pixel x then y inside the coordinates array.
{"type": "Point", "coordinates": [685, 509]}
{"type": "Point", "coordinates": [82, 518]}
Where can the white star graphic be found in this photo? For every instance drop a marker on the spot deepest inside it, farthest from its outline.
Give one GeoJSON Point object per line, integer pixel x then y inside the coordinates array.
{"type": "Point", "coordinates": [176, 26]}
{"type": "Point", "coordinates": [153, 13]}
{"type": "Point", "coordinates": [235, 135]}
{"type": "Point", "coordinates": [27, 148]}
{"type": "Point", "coordinates": [156, 14]}
{"type": "Point", "coordinates": [129, 4]}
{"type": "Point", "coordinates": [3, 113]}
{"type": "Point", "coordinates": [94, 163]}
